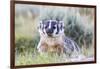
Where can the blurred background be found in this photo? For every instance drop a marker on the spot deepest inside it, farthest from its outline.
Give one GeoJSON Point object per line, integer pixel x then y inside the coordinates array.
{"type": "Point", "coordinates": [79, 25]}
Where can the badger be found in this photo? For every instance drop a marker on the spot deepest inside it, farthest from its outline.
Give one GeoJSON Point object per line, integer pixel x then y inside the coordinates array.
{"type": "Point", "coordinates": [53, 39]}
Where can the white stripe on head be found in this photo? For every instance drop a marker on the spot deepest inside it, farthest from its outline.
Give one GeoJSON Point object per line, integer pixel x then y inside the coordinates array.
{"type": "Point", "coordinates": [50, 24]}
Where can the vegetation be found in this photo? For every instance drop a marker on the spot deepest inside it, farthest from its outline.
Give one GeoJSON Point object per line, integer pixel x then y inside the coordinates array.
{"type": "Point", "coordinates": [78, 26]}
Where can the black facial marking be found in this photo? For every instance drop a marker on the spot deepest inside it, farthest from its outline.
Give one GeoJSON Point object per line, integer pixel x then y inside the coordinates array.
{"type": "Point", "coordinates": [50, 25]}
{"type": "Point", "coordinates": [61, 27]}
{"type": "Point", "coordinates": [57, 29]}
{"type": "Point", "coordinates": [53, 23]}
{"type": "Point", "coordinates": [46, 24]}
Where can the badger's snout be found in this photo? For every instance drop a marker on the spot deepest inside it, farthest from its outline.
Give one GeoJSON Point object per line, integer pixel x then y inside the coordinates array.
{"type": "Point", "coordinates": [49, 32]}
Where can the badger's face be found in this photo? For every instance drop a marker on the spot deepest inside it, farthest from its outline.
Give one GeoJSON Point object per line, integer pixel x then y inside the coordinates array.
{"type": "Point", "coordinates": [51, 28]}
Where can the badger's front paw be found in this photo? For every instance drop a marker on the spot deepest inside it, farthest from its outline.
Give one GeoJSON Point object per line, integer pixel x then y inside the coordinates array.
{"type": "Point", "coordinates": [42, 48]}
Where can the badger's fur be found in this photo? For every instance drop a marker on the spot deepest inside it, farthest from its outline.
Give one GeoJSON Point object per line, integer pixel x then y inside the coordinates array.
{"type": "Point", "coordinates": [53, 40]}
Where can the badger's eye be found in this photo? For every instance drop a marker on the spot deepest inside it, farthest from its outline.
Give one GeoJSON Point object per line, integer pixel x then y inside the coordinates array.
{"type": "Point", "coordinates": [54, 27]}
{"type": "Point", "coordinates": [46, 27]}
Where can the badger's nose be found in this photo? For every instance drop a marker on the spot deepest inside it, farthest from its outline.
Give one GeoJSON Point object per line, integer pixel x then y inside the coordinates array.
{"type": "Point", "coordinates": [49, 32]}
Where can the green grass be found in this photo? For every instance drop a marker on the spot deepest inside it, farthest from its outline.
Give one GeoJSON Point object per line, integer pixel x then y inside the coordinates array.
{"type": "Point", "coordinates": [31, 58]}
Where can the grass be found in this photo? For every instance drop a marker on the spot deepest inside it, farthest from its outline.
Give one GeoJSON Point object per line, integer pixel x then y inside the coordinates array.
{"type": "Point", "coordinates": [31, 58]}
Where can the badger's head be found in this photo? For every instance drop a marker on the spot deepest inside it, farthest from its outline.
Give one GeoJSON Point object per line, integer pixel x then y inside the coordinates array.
{"type": "Point", "coordinates": [51, 28]}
